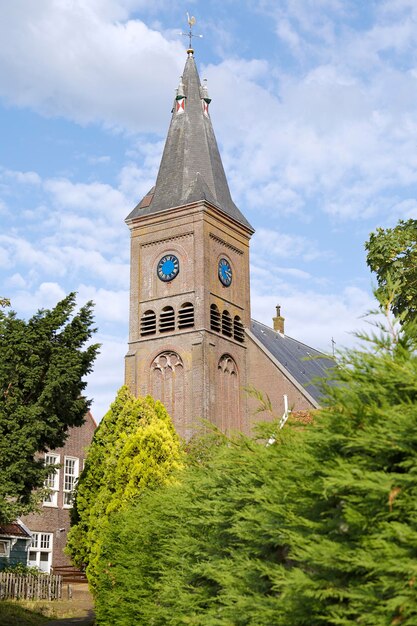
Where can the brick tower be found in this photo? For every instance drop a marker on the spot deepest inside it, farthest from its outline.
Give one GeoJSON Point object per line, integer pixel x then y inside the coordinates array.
{"type": "Point", "coordinates": [189, 293]}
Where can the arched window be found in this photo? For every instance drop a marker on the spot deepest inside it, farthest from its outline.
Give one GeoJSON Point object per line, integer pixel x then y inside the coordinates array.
{"type": "Point", "coordinates": [227, 395]}
{"type": "Point", "coordinates": [238, 330]}
{"type": "Point", "coordinates": [148, 323]}
{"type": "Point", "coordinates": [214, 318]}
{"type": "Point", "coordinates": [226, 324]}
{"type": "Point", "coordinates": [186, 316]}
{"type": "Point", "coordinates": [167, 319]}
{"type": "Point", "coordinates": [167, 384]}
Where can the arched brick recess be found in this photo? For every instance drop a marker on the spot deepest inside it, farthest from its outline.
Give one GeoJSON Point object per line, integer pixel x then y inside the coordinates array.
{"type": "Point", "coordinates": [228, 394]}
{"type": "Point", "coordinates": [167, 384]}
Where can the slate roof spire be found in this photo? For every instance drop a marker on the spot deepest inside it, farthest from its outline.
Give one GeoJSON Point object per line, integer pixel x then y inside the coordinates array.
{"type": "Point", "coordinates": [191, 168]}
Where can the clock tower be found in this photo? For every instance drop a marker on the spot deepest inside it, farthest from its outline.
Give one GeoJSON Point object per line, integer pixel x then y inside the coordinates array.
{"type": "Point", "coordinates": [189, 293]}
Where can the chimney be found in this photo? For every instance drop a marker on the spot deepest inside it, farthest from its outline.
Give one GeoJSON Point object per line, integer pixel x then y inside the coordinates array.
{"type": "Point", "coordinates": [278, 321]}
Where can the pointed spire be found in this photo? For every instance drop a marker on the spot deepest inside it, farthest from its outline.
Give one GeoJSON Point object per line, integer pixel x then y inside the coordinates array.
{"type": "Point", "coordinates": [191, 167]}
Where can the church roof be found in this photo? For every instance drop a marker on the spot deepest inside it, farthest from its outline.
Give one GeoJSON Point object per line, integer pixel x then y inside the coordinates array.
{"type": "Point", "coordinates": [191, 168]}
{"type": "Point", "coordinates": [305, 364]}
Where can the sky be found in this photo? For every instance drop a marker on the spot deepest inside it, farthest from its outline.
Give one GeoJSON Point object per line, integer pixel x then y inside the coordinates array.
{"type": "Point", "coordinates": [314, 106]}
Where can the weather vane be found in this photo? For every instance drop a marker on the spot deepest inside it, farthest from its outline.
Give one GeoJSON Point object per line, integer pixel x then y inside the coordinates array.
{"type": "Point", "coordinates": [191, 21]}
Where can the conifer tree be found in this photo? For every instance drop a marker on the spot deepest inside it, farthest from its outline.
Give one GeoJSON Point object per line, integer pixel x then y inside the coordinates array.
{"type": "Point", "coordinates": [355, 547]}
{"type": "Point", "coordinates": [318, 528]}
{"type": "Point", "coordinates": [43, 363]}
{"type": "Point", "coordinates": [202, 551]}
{"type": "Point", "coordinates": [135, 448]}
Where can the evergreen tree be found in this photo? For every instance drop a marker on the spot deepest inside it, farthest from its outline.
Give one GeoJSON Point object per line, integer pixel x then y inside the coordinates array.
{"type": "Point", "coordinates": [42, 366]}
{"type": "Point", "coordinates": [135, 448]}
{"type": "Point", "coordinates": [205, 550]}
{"type": "Point", "coordinates": [355, 547]}
{"type": "Point", "coordinates": [319, 528]}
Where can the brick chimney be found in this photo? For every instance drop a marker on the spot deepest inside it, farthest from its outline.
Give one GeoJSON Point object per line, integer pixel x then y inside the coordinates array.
{"type": "Point", "coordinates": [278, 321]}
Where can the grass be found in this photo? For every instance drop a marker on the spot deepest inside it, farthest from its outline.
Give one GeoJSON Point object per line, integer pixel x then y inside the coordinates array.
{"type": "Point", "coordinates": [38, 612]}
{"type": "Point", "coordinates": [14, 614]}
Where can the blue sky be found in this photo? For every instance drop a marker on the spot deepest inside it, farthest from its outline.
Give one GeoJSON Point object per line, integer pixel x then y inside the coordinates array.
{"type": "Point", "coordinates": [314, 105]}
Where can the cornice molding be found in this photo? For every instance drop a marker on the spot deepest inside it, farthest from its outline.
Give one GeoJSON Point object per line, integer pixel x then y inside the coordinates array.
{"type": "Point", "coordinates": [225, 244]}
{"type": "Point", "coordinates": [158, 241]}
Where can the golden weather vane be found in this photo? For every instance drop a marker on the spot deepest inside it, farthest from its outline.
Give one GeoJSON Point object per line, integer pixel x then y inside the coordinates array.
{"type": "Point", "coordinates": [191, 21]}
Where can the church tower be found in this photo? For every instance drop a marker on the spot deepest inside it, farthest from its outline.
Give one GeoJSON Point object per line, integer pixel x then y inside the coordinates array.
{"type": "Point", "coordinates": [189, 293]}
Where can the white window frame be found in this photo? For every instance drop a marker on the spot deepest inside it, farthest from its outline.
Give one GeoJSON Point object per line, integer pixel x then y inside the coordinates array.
{"type": "Point", "coordinates": [41, 545]}
{"type": "Point", "coordinates": [6, 553]}
{"type": "Point", "coordinates": [52, 482]}
{"type": "Point", "coordinates": [70, 480]}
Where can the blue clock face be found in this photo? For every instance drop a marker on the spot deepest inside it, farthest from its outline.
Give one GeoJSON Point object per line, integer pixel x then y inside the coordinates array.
{"type": "Point", "coordinates": [168, 267]}
{"type": "Point", "coordinates": [225, 272]}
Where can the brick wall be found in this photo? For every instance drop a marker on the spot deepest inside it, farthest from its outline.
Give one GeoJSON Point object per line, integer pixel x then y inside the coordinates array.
{"type": "Point", "coordinates": [266, 377]}
{"type": "Point", "coordinates": [56, 519]}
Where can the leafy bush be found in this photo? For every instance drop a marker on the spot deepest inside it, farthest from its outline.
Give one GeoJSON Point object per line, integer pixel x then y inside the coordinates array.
{"type": "Point", "coordinates": [20, 568]}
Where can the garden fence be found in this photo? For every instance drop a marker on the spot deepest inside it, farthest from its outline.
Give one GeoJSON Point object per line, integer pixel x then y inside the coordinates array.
{"type": "Point", "coordinates": [30, 587]}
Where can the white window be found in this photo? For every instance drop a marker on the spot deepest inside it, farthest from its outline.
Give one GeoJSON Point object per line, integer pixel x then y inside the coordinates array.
{"type": "Point", "coordinates": [71, 472]}
{"type": "Point", "coordinates": [40, 551]}
{"type": "Point", "coordinates": [52, 482]}
{"type": "Point", "coordinates": [4, 548]}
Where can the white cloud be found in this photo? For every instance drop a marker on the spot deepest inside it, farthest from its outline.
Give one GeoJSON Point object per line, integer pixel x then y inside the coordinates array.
{"type": "Point", "coordinates": [44, 297]}
{"type": "Point", "coordinates": [21, 251]}
{"type": "Point", "coordinates": [108, 373]}
{"type": "Point", "coordinates": [315, 318]}
{"type": "Point", "coordinates": [16, 281]}
{"type": "Point", "coordinates": [329, 132]}
{"type": "Point", "coordinates": [52, 259]}
{"type": "Point", "coordinates": [109, 305]}
{"type": "Point", "coordinates": [282, 245]}
{"type": "Point", "coordinates": [25, 178]}
{"type": "Point", "coordinates": [406, 209]}
{"type": "Point", "coordinates": [76, 58]}
{"type": "Point", "coordinates": [97, 160]}
{"type": "Point", "coordinates": [136, 181]}
{"type": "Point", "coordinates": [95, 198]}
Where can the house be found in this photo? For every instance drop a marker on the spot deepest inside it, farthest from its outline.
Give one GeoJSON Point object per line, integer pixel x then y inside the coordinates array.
{"type": "Point", "coordinates": [15, 540]}
{"type": "Point", "coordinates": [49, 527]}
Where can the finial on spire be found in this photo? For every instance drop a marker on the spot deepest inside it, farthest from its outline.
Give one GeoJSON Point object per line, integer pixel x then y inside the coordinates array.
{"type": "Point", "coordinates": [191, 21]}
{"type": "Point", "coordinates": [204, 91]}
{"type": "Point", "coordinates": [180, 91]}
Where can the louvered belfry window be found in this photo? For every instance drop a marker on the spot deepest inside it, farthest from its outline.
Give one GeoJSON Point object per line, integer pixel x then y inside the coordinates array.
{"type": "Point", "coordinates": [238, 330]}
{"type": "Point", "coordinates": [148, 323]}
{"type": "Point", "coordinates": [226, 324]}
{"type": "Point", "coordinates": [215, 323]}
{"type": "Point", "coordinates": [167, 319]}
{"type": "Point", "coordinates": [186, 316]}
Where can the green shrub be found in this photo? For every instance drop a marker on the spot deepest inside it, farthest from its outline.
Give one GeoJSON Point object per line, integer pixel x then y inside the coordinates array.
{"type": "Point", "coordinates": [134, 449]}
{"type": "Point", "coordinates": [20, 568]}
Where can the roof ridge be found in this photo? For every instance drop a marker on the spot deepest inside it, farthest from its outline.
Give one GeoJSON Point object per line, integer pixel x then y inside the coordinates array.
{"type": "Point", "coordinates": [291, 338]}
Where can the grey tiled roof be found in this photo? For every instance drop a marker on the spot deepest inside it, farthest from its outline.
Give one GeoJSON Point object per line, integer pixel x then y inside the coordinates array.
{"type": "Point", "coordinates": [305, 364]}
{"type": "Point", "coordinates": [191, 167]}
